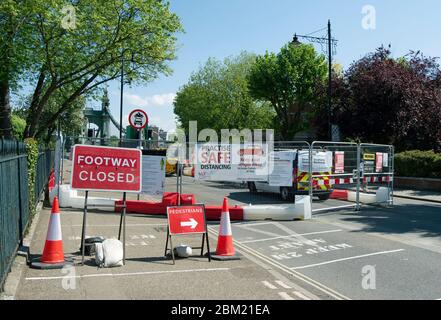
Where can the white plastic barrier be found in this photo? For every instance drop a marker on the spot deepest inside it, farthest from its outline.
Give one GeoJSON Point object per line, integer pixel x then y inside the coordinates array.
{"type": "Point", "coordinates": [70, 199]}
{"type": "Point", "coordinates": [300, 210]}
{"type": "Point", "coordinates": [365, 198]}
{"type": "Point", "coordinates": [381, 196]}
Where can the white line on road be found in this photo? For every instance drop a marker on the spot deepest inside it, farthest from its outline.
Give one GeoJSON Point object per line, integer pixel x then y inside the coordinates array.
{"type": "Point", "coordinates": [301, 295]}
{"type": "Point", "coordinates": [291, 236]}
{"type": "Point", "coordinates": [128, 274]}
{"type": "Point", "coordinates": [296, 274]}
{"type": "Point", "coordinates": [269, 285]}
{"type": "Point", "coordinates": [247, 224]}
{"type": "Point", "coordinates": [282, 284]}
{"type": "Point", "coordinates": [344, 259]}
{"type": "Point", "coordinates": [285, 296]}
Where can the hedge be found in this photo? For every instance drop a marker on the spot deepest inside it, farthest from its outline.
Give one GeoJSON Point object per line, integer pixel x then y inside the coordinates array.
{"type": "Point", "coordinates": [424, 164]}
{"type": "Point", "coordinates": [32, 150]}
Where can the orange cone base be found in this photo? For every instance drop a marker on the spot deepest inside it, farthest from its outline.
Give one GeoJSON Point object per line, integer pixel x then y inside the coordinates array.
{"type": "Point", "coordinates": [225, 249]}
{"type": "Point", "coordinates": [224, 258]}
{"type": "Point", "coordinates": [37, 264]}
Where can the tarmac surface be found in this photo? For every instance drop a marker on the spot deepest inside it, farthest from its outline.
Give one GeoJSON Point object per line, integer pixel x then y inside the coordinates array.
{"type": "Point", "coordinates": [376, 253]}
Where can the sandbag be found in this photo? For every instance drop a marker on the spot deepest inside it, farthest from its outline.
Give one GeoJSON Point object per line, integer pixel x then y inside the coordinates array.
{"type": "Point", "coordinates": [99, 256]}
{"type": "Point", "coordinates": [109, 253]}
{"type": "Point", "coordinates": [183, 251]}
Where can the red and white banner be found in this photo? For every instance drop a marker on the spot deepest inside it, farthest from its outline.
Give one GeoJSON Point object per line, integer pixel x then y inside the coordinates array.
{"type": "Point", "coordinates": [379, 162]}
{"type": "Point", "coordinates": [106, 169]}
{"type": "Point", "coordinates": [186, 220]}
{"type": "Point", "coordinates": [339, 162]}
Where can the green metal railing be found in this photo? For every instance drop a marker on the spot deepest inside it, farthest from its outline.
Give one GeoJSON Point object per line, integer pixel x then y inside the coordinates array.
{"type": "Point", "coordinates": [14, 197]}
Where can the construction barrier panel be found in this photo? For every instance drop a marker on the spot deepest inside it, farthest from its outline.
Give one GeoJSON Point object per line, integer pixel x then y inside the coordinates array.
{"type": "Point", "coordinates": [307, 178]}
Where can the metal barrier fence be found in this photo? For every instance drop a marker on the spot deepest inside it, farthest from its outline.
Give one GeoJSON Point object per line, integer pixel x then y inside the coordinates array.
{"type": "Point", "coordinates": [377, 171]}
{"type": "Point", "coordinates": [340, 173]}
{"type": "Point", "coordinates": [14, 201]}
{"type": "Point", "coordinates": [335, 175]}
{"type": "Point", "coordinates": [14, 197]}
{"type": "Point", "coordinates": [45, 164]}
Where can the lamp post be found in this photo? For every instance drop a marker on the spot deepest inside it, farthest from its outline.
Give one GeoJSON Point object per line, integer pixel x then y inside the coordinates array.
{"type": "Point", "coordinates": [329, 42]}
{"type": "Point", "coordinates": [121, 106]}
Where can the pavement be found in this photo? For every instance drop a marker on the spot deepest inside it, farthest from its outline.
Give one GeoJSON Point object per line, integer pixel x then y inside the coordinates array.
{"type": "Point", "coordinates": [375, 253]}
{"type": "Point", "coordinates": [430, 196]}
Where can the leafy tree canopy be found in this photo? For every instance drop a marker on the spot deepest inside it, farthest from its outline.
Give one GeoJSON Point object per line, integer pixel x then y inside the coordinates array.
{"type": "Point", "coordinates": [71, 48]}
{"type": "Point", "coordinates": [217, 97]}
{"type": "Point", "coordinates": [289, 81]}
{"type": "Point", "coordinates": [393, 101]}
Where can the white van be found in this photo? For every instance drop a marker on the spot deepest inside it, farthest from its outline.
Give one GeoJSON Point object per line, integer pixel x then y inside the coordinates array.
{"type": "Point", "coordinates": [290, 174]}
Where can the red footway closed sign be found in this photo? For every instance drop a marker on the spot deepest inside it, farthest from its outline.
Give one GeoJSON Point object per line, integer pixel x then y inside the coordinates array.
{"type": "Point", "coordinates": [106, 169]}
{"type": "Point", "coordinates": [186, 219]}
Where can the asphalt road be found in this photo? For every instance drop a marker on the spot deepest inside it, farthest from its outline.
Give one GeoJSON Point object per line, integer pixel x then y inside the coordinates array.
{"type": "Point", "coordinates": [377, 253]}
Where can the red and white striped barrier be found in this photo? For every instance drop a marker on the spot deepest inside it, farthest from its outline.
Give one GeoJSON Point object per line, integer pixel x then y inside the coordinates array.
{"type": "Point", "coordinates": [381, 196]}
{"type": "Point", "coordinates": [301, 210]}
{"type": "Point", "coordinates": [337, 181]}
{"type": "Point", "coordinates": [373, 179]}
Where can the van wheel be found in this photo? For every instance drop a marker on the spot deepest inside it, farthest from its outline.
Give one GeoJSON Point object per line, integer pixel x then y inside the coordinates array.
{"type": "Point", "coordinates": [286, 194]}
{"type": "Point", "coordinates": [324, 197]}
{"type": "Point", "coordinates": [252, 187]}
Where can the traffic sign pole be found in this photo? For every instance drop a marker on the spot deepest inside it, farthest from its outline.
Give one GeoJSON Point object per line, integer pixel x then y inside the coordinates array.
{"type": "Point", "coordinates": [185, 220]}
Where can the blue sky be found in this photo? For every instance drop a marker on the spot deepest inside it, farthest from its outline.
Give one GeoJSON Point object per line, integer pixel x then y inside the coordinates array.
{"type": "Point", "coordinates": [225, 27]}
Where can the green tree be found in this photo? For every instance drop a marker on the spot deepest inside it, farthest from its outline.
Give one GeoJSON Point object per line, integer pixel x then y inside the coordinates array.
{"type": "Point", "coordinates": [18, 126]}
{"type": "Point", "coordinates": [75, 49]}
{"type": "Point", "coordinates": [217, 96]}
{"type": "Point", "coordinates": [289, 80]}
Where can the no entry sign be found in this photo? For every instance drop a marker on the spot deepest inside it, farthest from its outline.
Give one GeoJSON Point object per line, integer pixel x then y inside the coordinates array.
{"type": "Point", "coordinates": [186, 220]}
{"type": "Point", "coordinates": [106, 169]}
{"type": "Point", "coordinates": [138, 119]}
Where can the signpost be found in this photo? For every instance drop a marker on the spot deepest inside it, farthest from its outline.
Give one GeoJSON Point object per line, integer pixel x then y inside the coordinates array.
{"type": "Point", "coordinates": [106, 169]}
{"type": "Point", "coordinates": [187, 220]}
{"type": "Point", "coordinates": [138, 119]}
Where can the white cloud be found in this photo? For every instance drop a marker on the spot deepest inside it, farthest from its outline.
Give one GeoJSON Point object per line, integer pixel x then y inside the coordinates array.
{"type": "Point", "coordinates": [157, 100]}
{"type": "Point", "coordinates": [159, 109]}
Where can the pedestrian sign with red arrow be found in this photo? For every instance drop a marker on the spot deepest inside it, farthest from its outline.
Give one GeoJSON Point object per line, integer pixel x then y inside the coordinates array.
{"type": "Point", "coordinates": [186, 220]}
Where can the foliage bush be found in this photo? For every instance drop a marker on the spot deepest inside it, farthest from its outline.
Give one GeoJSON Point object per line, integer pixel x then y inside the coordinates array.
{"type": "Point", "coordinates": [416, 163]}
{"type": "Point", "coordinates": [18, 127]}
{"type": "Point", "coordinates": [32, 150]}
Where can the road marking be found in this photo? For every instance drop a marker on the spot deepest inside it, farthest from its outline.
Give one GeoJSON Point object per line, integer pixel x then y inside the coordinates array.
{"type": "Point", "coordinates": [295, 274]}
{"type": "Point", "coordinates": [96, 275]}
{"type": "Point", "coordinates": [283, 284]}
{"type": "Point", "coordinates": [246, 224]}
{"type": "Point", "coordinates": [301, 295]}
{"type": "Point", "coordinates": [269, 285]}
{"type": "Point", "coordinates": [291, 236]}
{"type": "Point", "coordinates": [285, 296]}
{"type": "Point", "coordinates": [345, 259]}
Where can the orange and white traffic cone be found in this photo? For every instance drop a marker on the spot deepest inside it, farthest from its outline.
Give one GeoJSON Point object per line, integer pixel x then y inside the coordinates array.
{"type": "Point", "coordinates": [53, 255]}
{"type": "Point", "coordinates": [225, 248]}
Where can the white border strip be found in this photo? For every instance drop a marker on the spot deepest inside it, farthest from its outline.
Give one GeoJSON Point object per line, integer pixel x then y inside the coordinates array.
{"type": "Point", "coordinates": [96, 275]}
{"type": "Point", "coordinates": [344, 259]}
{"type": "Point", "coordinates": [291, 236]}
